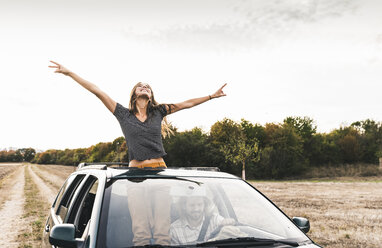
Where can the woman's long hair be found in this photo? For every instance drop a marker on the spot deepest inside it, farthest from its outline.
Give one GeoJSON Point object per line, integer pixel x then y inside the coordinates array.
{"type": "Point", "coordinates": [152, 104]}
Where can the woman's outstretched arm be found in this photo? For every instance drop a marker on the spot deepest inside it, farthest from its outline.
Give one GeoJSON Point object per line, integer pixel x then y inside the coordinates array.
{"type": "Point", "coordinates": [109, 103]}
{"type": "Point", "coordinates": [172, 108]}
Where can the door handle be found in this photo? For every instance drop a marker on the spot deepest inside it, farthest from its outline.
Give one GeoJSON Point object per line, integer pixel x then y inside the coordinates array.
{"type": "Point", "coordinates": [47, 228]}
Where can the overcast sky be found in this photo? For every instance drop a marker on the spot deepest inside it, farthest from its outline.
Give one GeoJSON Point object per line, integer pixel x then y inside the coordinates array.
{"type": "Point", "coordinates": [315, 58]}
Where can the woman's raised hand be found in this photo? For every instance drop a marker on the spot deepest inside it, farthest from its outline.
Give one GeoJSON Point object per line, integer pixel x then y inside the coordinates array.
{"type": "Point", "coordinates": [219, 92]}
{"type": "Point", "coordinates": [59, 68]}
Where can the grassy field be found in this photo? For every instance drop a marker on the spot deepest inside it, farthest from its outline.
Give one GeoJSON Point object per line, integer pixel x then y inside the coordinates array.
{"type": "Point", "coordinates": [6, 169]}
{"type": "Point", "coordinates": [344, 212]}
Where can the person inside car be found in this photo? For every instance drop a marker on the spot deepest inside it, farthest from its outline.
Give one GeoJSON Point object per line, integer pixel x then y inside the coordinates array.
{"type": "Point", "coordinates": [196, 223]}
{"type": "Point", "coordinates": [143, 123]}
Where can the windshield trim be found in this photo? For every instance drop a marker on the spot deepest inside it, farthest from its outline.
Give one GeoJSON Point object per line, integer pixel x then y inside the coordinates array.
{"type": "Point", "coordinates": [124, 176]}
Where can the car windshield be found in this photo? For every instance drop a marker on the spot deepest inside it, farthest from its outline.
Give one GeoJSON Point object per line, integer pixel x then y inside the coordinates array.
{"type": "Point", "coordinates": [187, 211]}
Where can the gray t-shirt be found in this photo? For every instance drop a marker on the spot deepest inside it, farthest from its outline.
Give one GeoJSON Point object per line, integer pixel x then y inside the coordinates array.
{"type": "Point", "coordinates": [143, 139]}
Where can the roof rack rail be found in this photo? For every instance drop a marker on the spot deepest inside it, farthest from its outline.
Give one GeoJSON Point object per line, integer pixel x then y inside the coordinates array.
{"type": "Point", "coordinates": [100, 165]}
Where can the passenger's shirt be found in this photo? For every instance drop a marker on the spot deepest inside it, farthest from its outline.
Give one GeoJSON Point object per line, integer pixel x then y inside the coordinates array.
{"type": "Point", "coordinates": [143, 139]}
{"type": "Point", "coordinates": [183, 234]}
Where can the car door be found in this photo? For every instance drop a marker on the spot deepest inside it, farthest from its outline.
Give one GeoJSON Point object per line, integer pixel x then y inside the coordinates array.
{"type": "Point", "coordinates": [59, 208]}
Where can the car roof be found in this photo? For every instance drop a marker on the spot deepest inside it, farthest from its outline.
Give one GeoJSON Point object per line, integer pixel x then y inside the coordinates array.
{"type": "Point", "coordinates": [124, 171]}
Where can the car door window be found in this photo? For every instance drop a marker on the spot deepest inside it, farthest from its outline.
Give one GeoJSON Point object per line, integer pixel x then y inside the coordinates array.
{"type": "Point", "coordinates": [83, 206]}
{"type": "Point", "coordinates": [62, 191]}
{"type": "Point", "coordinates": [66, 194]}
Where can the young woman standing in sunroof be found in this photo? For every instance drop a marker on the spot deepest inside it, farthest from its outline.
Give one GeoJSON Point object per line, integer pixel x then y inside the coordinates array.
{"type": "Point", "coordinates": [143, 124]}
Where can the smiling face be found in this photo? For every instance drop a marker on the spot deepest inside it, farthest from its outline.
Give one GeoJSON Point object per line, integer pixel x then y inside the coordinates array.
{"type": "Point", "coordinates": [143, 90]}
{"type": "Point", "coordinates": [194, 208]}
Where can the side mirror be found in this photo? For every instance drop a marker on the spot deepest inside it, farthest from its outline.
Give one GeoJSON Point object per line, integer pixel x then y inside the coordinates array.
{"type": "Point", "coordinates": [63, 235]}
{"type": "Point", "coordinates": [302, 223]}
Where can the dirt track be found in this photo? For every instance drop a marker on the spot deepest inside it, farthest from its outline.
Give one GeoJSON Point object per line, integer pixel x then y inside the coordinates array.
{"type": "Point", "coordinates": [45, 188]}
{"type": "Point", "coordinates": [12, 210]}
{"type": "Point", "coordinates": [14, 227]}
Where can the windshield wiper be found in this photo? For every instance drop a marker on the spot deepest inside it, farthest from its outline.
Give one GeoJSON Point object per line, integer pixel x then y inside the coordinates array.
{"type": "Point", "coordinates": [250, 241]}
{"type": "Point", "coordinates": [157, 246]}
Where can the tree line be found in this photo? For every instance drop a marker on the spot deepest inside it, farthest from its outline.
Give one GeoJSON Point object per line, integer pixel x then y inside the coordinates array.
{"type": "Point", "coordinates": [275, 150]}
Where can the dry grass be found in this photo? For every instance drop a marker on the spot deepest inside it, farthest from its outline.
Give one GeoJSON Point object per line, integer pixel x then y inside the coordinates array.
{"type": "Point", "coordinates": [61, 171]}
{"type": "Point", "coordinates": [35, 213]}
{"type": "Point", "coordinates": [365, 171]}
{"type": "Point", "coordinates": [6, 171]}
{"type": "Point", "coordinates": [342, 213]}
{"type": "Point", "coordinates": [7, 168]}
{"type": "Point", "coordinates": [50, 179]}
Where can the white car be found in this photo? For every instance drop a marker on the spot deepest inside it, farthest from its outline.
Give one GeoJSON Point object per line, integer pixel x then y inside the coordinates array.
{"type": "Point", "coordinates": [92, 210]}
